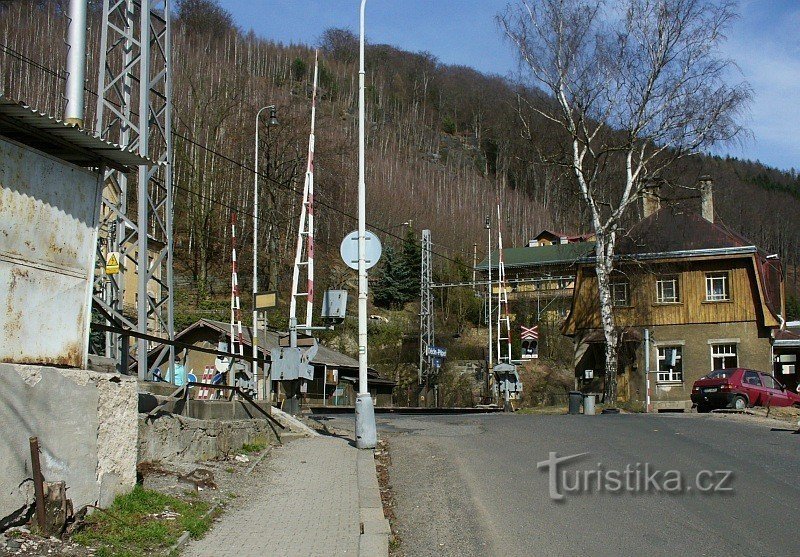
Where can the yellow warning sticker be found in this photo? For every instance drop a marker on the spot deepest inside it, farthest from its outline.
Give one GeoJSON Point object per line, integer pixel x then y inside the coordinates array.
{"type": "Point", "coordinates": [112, 263]}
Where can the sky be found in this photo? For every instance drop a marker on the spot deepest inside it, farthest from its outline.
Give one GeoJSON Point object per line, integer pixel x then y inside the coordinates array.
{"type": "Point", "coordinates": [764, 42]}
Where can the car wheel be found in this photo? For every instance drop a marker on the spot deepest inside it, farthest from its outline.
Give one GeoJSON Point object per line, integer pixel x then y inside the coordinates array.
{"type": "Point", "coordinates": [739, 403]}
{"type": "Point", "coordinates": [703, 409]}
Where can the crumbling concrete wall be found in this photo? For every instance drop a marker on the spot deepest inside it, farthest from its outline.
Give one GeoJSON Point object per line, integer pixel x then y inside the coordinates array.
{"type": "Point", "coordinates": [174, 438]}
{"type": "Point", "coordinates": [86, 423]}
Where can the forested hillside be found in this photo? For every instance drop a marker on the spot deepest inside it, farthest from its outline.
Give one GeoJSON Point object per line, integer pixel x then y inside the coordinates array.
{"type": "Point", "coordinates": [444, 143]}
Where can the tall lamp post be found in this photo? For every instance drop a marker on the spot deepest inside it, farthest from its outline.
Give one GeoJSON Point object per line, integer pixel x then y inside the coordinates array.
{"type": "Point", "coordinates": [273, 121]}
{"type": "Point", "coordinates": [489, 303]}
{"type": "Point", "coordinates": [366, 434]}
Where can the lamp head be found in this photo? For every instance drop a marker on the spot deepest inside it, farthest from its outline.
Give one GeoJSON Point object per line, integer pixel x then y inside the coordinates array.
{"type": "Point", "coordinates": [273, 116]}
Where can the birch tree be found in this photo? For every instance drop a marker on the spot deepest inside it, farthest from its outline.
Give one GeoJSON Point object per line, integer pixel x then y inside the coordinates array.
{"type": "Point", "coordinates": [634, 86]}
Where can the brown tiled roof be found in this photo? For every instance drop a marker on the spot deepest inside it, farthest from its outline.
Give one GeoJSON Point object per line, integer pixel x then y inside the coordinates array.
{"type": "Point", "coordinates": [672, 230]}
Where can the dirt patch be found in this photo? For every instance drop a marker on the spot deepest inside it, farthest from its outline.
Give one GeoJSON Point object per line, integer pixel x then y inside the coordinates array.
{"type": "Point", "coordinates": [218, 483]}
{"type": "Point", "coordinates": [383, 461]}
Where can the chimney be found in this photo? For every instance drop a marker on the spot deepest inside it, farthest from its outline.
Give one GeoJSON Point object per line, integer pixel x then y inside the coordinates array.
{"type": "Point", "coordinates": [707, 197]}
{"type": "Point", "coordinates": [76, 62]}
{"type": "Point", "coordinates": [651, 202]}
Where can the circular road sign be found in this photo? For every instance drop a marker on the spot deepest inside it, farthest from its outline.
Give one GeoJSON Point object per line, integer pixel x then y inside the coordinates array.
{"type": "Point", "coordinates": [349, 249]}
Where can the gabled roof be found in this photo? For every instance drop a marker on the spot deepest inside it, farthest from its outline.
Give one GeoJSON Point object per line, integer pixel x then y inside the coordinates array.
{"type": "Point", "coordinates": [556, 254]}
{"type": "Point", "coordinates": [672, 230]}
{"type": "Point", "coordinates": [672, 233]}
{"type": "Point", "coordinates": [35, 129]}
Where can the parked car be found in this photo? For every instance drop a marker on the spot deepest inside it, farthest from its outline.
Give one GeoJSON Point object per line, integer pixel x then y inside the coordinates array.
{"type": "Point", "coordinates": [739, 388]}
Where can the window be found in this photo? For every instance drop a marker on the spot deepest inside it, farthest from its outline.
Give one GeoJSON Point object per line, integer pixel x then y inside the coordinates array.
{"type": "Point", "coordinates": [619, 294]}
{"type": "Point", "coordinates": [723, 356]}
{"type": "Point", "coordinates": [751, 378]}
{"type": "Point", "coordinates": [717, 288]}
{"type": "Point", "coordinates": [667, 290]}
{"type": "Point", "coordinates": [670, 364]}
{"type": "Point", "coordinates": [769, 382]}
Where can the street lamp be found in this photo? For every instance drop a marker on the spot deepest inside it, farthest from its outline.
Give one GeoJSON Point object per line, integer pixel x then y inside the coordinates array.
{"type": "Point", "coordinates": [488, 227]}
{"type": "Point", "coordinates": [273, 121]}
{"type": "Point", "coordinates": [366, 434]}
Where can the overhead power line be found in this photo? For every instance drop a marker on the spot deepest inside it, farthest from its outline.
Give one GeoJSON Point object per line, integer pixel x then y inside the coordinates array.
{"type": "Point", "coordinates": [23, 58]}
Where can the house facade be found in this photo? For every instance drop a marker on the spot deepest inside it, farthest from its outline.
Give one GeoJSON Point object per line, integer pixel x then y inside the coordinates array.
{"type": "Point", "coordinates": [705, 297]}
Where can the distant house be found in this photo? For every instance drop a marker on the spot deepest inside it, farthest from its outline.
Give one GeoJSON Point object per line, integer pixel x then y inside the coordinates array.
{"type": "Point", "coordinates": [549, 238]}
{"type": "Point", "coordinates": [709, 297]}
{"type": "Point", "coordinates": [335, 374]}
{"type": "Point", "coordinates": [544, 272]}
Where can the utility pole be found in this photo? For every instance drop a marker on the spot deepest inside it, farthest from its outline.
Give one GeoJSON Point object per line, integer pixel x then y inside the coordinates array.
{"type": "Point", "coordinates": [366, 434]}
{"type": "Point", "coordinates": [426, 332]}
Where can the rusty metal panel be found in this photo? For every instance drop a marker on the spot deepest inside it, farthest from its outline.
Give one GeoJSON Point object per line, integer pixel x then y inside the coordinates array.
{"type": "Point", "coordinates": [49, 212]}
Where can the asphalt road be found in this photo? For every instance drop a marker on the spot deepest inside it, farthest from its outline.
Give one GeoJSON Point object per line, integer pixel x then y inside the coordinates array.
{"type": "Point", "coordinates": [469, 485]}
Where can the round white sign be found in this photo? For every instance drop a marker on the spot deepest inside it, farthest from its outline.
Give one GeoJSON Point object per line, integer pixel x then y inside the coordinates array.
{"type": "Point", "coordinates": [349, 249]}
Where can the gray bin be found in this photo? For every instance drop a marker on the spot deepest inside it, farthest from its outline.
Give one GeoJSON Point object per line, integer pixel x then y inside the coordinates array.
{"type": "Point", "coordinates": [588, 405]}
{"type": "Point", "coordinates": [575, 399]}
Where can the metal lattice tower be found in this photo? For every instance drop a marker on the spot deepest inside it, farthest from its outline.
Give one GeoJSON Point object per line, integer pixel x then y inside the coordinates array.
{"type": "Point", "coordinates": [304, 255]}
{"type": "Point", "coordinates": [426, 333]}
{"type": "Point", "coordinates": [134, 108]}
{"type": "Point", "coordinates": [503, 316]}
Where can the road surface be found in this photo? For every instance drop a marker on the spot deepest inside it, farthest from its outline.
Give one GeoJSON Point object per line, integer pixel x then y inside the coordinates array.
{"type": "Point", "coordinates": [469, 485]}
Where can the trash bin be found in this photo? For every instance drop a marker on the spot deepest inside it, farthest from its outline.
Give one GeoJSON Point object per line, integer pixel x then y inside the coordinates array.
{"type": "Point", "coordinates": [575, 399]}
{"type": "Point", "coordinates": [588, 405]}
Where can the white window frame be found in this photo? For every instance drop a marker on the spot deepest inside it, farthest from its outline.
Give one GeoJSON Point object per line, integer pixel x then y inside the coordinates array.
{"type": "Point", "coordinates": [734, 354]}
{"type": "Point", "coordinates": [660, 298]}
{"type": "Point", "coordinates": [626, 287]}
{"type": "Point", "coordinates": [724, 276]}
{"type": "Point", "coordinates": [669, 375]}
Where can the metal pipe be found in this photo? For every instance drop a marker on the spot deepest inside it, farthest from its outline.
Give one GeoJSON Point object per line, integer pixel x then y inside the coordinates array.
{"type": "Point", "coordinates": [38, 484]}
{"type": "Point", "coordinates": [76, 62]}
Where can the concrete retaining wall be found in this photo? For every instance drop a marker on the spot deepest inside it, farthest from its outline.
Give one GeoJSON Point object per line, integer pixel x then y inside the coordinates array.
{"type": "Point", "coordinates": [175, 438]}
{"type": "Point", "coordinates": [87, 428]}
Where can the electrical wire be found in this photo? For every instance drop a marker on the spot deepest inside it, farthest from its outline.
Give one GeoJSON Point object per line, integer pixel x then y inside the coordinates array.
{"type": "Point", "coordinates": [21, 57]}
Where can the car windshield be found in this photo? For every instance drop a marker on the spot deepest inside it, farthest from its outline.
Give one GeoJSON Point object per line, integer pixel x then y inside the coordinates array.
{"type": "Point", "coordinates": [720, 374]}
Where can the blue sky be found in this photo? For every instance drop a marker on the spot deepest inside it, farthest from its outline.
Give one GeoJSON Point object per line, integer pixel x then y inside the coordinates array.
{"type": "Point", "coordinates": [764, 43]}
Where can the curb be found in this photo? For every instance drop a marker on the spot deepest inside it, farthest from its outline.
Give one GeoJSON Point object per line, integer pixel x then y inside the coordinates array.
{"type": "Point", "coordinates": [375, 529]}
{"type": "Point", "coordinates": [186, 534]}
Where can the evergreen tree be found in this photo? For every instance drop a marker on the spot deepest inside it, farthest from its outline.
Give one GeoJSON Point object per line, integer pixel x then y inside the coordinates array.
{"type": "Point", "coordinates": [412, 261]}
{"type": "Point", "coordinates": [390, 291]}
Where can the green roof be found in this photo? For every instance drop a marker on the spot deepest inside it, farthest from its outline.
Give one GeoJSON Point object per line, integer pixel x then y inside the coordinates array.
{"type": "Point", "coordinates": [556, 254]}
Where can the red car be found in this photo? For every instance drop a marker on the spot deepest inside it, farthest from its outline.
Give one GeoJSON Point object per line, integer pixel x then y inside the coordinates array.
{"type": "Point", "coordinates": [739, 388]}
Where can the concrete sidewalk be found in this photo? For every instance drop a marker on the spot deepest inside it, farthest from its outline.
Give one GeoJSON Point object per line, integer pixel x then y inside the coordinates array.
{"type": "Point", "coordinates": [315, 496]}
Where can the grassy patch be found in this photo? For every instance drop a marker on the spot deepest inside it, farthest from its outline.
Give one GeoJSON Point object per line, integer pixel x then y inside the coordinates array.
{"type": "Point", "coordinates": [256, 446]}
{"type": "Point", "coordinates": [142, 523]}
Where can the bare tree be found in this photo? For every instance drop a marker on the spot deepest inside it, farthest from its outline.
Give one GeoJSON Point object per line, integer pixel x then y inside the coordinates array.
{"type": "Point", "coordinates": [636, 86]}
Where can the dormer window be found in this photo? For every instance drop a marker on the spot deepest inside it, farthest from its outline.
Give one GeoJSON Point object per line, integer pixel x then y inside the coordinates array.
{"type": "Point", "coordinates": [717, 287]}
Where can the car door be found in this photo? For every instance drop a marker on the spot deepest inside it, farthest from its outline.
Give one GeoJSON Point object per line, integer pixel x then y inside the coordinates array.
{"type": "Point", "coordinates": [753, 388]}
{"type": "Point", "coordinates": [775, 395]}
